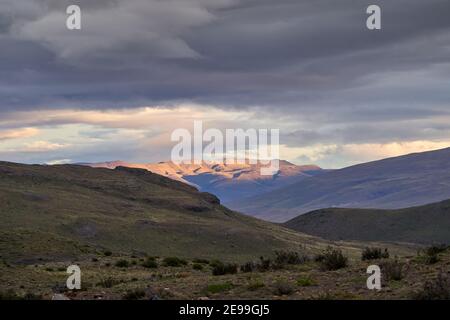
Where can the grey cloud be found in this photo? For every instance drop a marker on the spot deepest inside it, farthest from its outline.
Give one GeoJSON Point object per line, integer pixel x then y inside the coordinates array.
{"type": "Point", "coordinates": [312, 60]}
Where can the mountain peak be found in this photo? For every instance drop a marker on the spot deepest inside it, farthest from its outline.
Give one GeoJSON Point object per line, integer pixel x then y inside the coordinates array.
{"type": "Point", "coordinates": [227, 181]}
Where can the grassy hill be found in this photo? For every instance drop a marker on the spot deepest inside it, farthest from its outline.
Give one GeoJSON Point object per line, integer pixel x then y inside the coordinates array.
{"type": "Point", "coordinates": [424, 224]}
{"type": "Point", "coordinates": [55, 213]}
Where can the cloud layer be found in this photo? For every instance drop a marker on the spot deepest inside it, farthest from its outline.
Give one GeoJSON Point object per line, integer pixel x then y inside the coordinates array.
{"type": "Point", "coordinates": [310, 68]}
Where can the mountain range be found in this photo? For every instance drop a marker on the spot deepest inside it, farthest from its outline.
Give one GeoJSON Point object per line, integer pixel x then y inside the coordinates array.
{"type": "Point", "coordinates": [229, 182]}
{"type": "Point", "coordinates": [399, 182]}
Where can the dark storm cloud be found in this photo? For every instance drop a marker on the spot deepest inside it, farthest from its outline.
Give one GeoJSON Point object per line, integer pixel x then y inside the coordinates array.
{"type": "Point", "coordinates": [314, 60]}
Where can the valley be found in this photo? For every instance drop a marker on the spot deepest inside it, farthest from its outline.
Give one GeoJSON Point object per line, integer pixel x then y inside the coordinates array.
{"type": "Point", "coordinates": [140, 235]}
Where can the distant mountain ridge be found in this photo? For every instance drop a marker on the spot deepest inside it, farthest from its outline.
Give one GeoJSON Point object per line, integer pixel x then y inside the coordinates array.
{"type": "Point", "coordinates": [227, 181]}
{"type": "Point", "coordinates": [424, 224]}
{"type": "Point", "coordinates": [399, 182]}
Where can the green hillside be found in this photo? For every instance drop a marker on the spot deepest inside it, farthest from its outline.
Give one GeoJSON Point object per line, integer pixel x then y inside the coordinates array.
{"type": "Point", "coordinates": [424, 224]}
{"type": "Point", "coordinates": [51, 213]}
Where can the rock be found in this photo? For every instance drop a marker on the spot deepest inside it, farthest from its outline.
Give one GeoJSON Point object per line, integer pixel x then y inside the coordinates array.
{"type": "Point", "coordinates": [59, 296]}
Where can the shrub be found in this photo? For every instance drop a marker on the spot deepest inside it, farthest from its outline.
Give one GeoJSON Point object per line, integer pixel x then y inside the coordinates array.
{"type": "Point", "coordinates": [134, 294]}
{"type": "Point", "coordinates": [374, 254]}
{"type": "Point", "coordinates": [332, 259]}
{"type": "Point", "coordinates": [289, 257]}
{"type": "Point", "coordinates": [32, 296]}
{"type": "Point", "coordinates": [94, 259]}
{"type": "Point", "coordinates": [174, 262]}
{"type": "Point", "coordinates": [107, 253]}
{"type": "Point", "coordinates": [224, 268]}
{"type": "Point", "coordinates": [219, 287]}
{"type": "Point", "coordinates": [319, 258]}
{"type": "Point", "coordinates": [201, 261]}
{"type": "Point", "coordinates": [214, 263]}
{"type": "Point", "coordinates": [108, 282]}
{"type": "Point", "coordinates": [437, 289]}
{"type": "Point", "coordinates": [150, 263]}
{"type": "Point", "coordinates": [197, 266]}
{"type": "Point", "coordinates": [122, 263]}
{"type": "Point", "coordinates": [325, 296]}
{"type": "Point", "coordinates": [431, 253]}
{"type": "Point", "coordinates": [248, 267]}
{"type": "Point", "coordinates": [392, 270]}
{"type": "Point", "coordinates": [264, 264]}
{"type": "Point", "coordinates": [431, 259]}
{"type": "Point", "coordinates": [435, 249]}
{"type": "Point", "coordinates": [255, 285]}
{"type": "Point", "coordinates": [305, 282]}
{"type": "Point", "coordinates": [281, 288]}
{"type": "Point", "coordinates": [11, 295]}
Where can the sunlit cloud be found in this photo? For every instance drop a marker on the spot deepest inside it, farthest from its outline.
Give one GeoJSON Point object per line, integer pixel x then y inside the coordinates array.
{"type": "Point", "coordinates": [143, 135]}
{"type": "Point", "coordinates": [18, 133]}
{"type": "Point", "coordinates": [42, 146]}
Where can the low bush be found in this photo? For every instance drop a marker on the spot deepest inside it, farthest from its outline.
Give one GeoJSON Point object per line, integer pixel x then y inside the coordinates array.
{"type": "Point", "coordinates": [201, 261]}
{"type": "Point", "coordinates": [305, 282]}
{"type": "Point", "coordinates": [122, 263]}
{"type": "Point", "coordinates": [224, 268]}
{"type": "Point", "coordinates": [289, 257]}
{"type": "Point", "coordinates": [282, 288]}
{"type": "Point", "coordinates": [431, 259]}
{"type": "Point", "coordinates": [32, 296]}
{"type": "Point", "coordinates": [150, 263]}
{"type": "Point", "coordinates": [332, 259]}
{"type": "Point", "coordinates": [174, 262]}
{"type": "Point", "coordinates": [136, 294]}
{"type": "Point", "coordinates": [264, 264]}
{"type": "Point", "coordinates": [107, 253]}
{"type": "Point", "coordinates": [435, 249]}
{"type": "Point", "coordinates": [255, 285]}
{"type": "Point", "coordinates": [392, 270]}
{"type": "Point", "coordinates": [248, 267]}
{"type": "Point", "coordinates": [437, 289]}
{"type": "Point", "coordinates": [108, 282]}
{"type": "Point", "coordinates": [430, 255]}
{"type": "Point", "coordinates": [12, 295]}
{"type": "Point", "coordinates": [374, 254]}
{"type": "Point", "coordinates": [197, 266]}
{"type": "Point", "coordinates": [219, 287]}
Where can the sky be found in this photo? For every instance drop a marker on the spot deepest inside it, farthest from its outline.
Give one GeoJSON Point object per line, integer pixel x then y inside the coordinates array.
{"type": "Point", "coordinates": [138, 69]}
